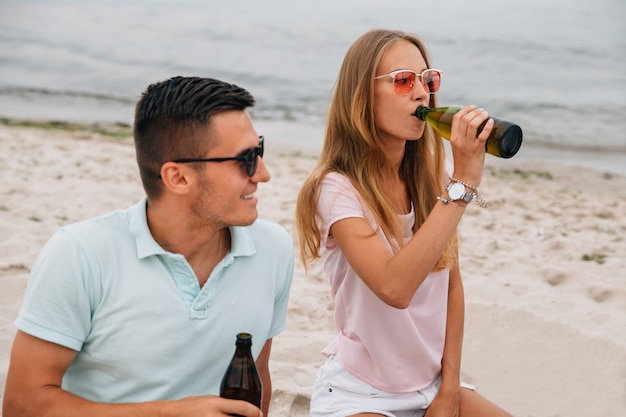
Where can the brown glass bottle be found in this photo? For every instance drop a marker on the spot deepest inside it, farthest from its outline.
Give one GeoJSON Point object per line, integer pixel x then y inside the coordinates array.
{"type": "Point", "coordinates": [241, 380]}
{"type": "Point", "coordinates": [504, 140]}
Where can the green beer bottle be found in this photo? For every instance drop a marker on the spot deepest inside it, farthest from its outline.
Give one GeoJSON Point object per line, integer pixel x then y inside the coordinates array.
{"type": "Point", "coordinates": [505, 138]}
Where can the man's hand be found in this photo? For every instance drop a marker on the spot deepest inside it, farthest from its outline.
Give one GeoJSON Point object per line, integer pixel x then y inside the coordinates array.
{"type": "Point", "coordinates": [210, 406]}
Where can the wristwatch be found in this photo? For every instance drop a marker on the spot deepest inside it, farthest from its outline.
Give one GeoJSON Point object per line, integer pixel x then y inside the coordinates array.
{"type": "Point", "coordinates": [456, 191]}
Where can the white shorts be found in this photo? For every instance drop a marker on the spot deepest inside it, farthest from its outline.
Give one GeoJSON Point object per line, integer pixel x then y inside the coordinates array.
{"type": "Point", "coordinates": [338, 393]}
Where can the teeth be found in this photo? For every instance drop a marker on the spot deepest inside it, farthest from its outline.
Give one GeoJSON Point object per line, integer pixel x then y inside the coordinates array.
{"type": "Point", "coordinates": [247, 196]}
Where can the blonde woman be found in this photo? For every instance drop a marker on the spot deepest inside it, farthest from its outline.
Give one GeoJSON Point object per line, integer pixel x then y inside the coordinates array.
{"type": "Point", "coordinates": [381, 210]}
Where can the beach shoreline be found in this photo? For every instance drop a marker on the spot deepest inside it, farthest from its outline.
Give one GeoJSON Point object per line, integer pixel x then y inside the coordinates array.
{"type": "Point", "coordinates": [544, 266]}
{"type": "Point", "coordinates": [305, 138]}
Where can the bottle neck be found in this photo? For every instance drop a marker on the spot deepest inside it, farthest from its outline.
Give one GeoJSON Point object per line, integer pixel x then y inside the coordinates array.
{"type": "Point", "coordinates": [422, 111]}
{"type": "Point", "coordinates": [243, 348]}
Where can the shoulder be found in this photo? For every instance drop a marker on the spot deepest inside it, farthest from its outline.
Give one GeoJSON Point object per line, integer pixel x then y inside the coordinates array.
{"type": "Point", "coordinates": [95, 234]}
{"type": "Point", "coordinates": [270, 249]}
{"type": "Point", "coordinates": [337, 188]}
{"type": "Point", "coordinates": [336, 179]}
{"type": "Point", "coordinates": [110, 223]}
{"type": "Point", "coordinates": [336, 185]}
{"type": "Point", "coordinates": [264, 230]}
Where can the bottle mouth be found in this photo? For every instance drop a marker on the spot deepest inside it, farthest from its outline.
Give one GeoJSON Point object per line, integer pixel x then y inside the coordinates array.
{"type": "Point", "coordinates": [420, 112]}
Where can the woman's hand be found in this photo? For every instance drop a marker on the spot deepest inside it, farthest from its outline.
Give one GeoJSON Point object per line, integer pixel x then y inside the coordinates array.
{"type": "Point", "coordinates": [445, 404]}
{"type": "Point", "coordinates": [468, 147]}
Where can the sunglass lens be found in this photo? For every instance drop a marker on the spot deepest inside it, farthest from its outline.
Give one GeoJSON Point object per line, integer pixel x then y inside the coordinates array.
{"type": "Point", "coordinates": [404, 82]}
{"type": "Point", "coordinates": [251, 157]}
{"type": "Point", "coordinates": [251, 161]}
{"type": "Point", "coordinates": [261, 146]}
{"type": "Point", "coordinates": [431, 80]}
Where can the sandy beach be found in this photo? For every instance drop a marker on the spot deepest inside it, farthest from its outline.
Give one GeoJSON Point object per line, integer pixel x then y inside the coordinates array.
{"type": "Point", "coordinates": [544, 268]}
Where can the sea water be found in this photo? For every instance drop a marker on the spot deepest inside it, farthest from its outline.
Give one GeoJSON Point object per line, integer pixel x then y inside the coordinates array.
{"type": "Point", "coordinates": [554, 67]}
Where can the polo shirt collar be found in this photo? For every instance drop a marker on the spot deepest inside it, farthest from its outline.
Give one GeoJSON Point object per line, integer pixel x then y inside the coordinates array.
{"type": "Point", "coordinates": [138, 223]}
{"type": "Point", "coordinates": [241, 242]}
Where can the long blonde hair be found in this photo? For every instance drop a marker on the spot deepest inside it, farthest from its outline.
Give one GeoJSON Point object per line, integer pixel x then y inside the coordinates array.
{"type": "Point", "coordinates": [353, 147]}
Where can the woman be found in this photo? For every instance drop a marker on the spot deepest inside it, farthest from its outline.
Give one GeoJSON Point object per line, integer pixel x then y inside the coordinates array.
{"type": "Point", "coordinates": [376, 210]}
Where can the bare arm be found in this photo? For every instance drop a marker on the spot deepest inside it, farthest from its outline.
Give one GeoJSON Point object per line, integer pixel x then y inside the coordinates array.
{"type": "Point", "coordinates": [446, 403]}
{"type": "Point", "coordinates": [395, 278]}
{"type": "Point", "coordinates": [452, 400]}
{"type": "Point", "coordinates": [262, 365]}
{"type": "Point", "coordinates": [33, 388]}
{"type": "Point", "coordinates": [455, 321]}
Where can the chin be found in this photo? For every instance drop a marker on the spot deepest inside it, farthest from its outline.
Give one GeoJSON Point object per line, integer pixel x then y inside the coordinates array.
{"type": "Point", "coordinates": [418, 132]}
{"type": "Point", "coordinates": [247, 220]}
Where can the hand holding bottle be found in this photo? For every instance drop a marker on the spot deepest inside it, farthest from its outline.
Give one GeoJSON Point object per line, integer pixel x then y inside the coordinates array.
{"type": "Point", "coordinates": [505, 138]}
{"type": "Point", "coordinates": [241, 390]}
{"type": "Point", "coordinates": [209, 406]}
{"type": "Point", "coordinates": [468, 146]}
{"type": "Point", "coordinates": [241, 380]}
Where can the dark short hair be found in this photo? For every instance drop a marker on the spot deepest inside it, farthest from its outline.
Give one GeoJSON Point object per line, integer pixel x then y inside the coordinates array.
{"type": "Point", "coordinates": [172, 118]}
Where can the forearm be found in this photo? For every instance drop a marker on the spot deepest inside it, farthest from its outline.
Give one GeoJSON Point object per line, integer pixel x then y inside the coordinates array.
{"type": "Point", "coordinates": [53, 401]}
{"type": "Point", "coordinates": [394, 278]}
{"type": "Point", "coordinates": [262, 365]}
{"type": "Point", "coordinates": [33, 385]}
{"type": "Point", "coordinates": [419, 256]}
{"type": "Point", "coordinates": [451, 360]}
{"type": "Point", "coordinates": [33, 389]}
{"type": "Point", "coordinates": [266, 380]}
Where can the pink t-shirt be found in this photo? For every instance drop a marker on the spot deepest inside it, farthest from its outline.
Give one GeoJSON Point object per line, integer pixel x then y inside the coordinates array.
{"type": "Point", "coordinates": [396, 350]}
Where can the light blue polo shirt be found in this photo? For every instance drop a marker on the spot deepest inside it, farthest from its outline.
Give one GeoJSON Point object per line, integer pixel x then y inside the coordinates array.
{"type": "Point", "coordinates": [143, 328]}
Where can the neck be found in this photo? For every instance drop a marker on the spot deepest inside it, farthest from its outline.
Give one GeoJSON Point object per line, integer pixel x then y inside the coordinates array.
{"type": "Point", "coordinates": [394, 188]}
{"type": "Point", "coordinates": [203, 247]}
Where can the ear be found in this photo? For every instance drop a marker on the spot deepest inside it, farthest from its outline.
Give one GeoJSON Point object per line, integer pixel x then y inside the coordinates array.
{"type": "Point", "coordinates": [176, 177]}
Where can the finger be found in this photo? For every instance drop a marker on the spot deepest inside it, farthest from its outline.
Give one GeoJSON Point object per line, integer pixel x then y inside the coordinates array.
{"type": "Point", "coordinates": [475, 120]}
{"type": "Point", "coordinates": [458, 126]}
{"type": "Point", "coordinates": [243, 408]}
{"type": "Point", "coordinates": [484, 134]}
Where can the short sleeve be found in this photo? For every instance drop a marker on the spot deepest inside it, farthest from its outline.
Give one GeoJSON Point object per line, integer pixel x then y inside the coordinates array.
{"type": "Point", "coordinates": [57, 302]}
{"type": "Point", "coordinates": [281, 300]}
{"type": "Point", "coordinates": [338, 200]}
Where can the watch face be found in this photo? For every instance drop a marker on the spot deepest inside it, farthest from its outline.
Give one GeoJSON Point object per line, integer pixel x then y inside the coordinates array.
{"type": "Point", "coordinates": [456, 190]}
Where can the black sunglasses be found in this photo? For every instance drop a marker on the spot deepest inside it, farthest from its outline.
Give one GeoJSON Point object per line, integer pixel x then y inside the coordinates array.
{"type": "Point", "coordinates": [249, 156]}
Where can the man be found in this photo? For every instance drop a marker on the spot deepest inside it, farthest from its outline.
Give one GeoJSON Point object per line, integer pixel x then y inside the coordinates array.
{"type": "Point", "coordinates": [136, 313]}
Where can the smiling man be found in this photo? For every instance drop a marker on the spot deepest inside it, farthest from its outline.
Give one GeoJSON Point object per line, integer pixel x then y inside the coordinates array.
{"type": "Point", "coordinates": [137, 312]}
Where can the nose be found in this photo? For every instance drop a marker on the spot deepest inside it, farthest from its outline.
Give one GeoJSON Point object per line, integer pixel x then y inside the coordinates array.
{"type": "Point", "coordinates": [262, 174]}
{"type": "Point", "coordinates": [419, 91]}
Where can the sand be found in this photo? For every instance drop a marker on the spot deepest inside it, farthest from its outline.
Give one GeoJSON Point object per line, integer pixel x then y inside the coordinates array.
{"type": "Point", "coordinates": [544, 268]}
